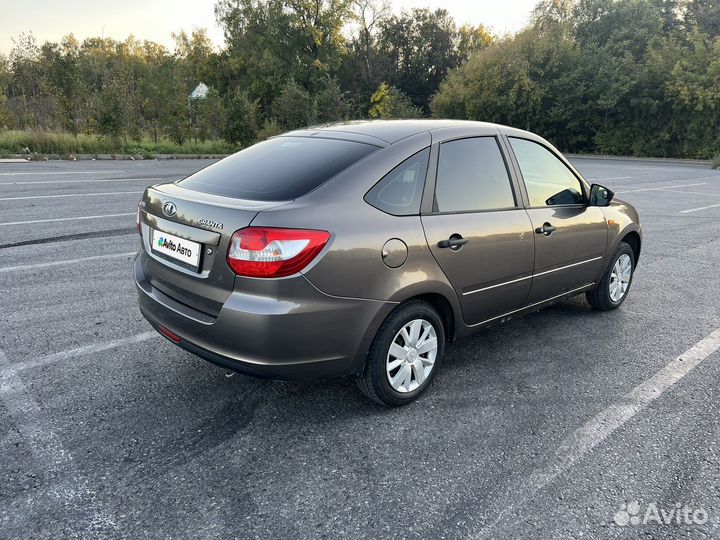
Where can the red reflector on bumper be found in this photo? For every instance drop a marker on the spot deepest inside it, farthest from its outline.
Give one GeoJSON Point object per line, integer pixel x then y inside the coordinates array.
{"type": "Point", "coordinates": [168, 334]}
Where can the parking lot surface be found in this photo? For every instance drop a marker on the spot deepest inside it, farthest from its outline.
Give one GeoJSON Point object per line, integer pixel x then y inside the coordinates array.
{"type": "Point", "coordinates": [551, 425]}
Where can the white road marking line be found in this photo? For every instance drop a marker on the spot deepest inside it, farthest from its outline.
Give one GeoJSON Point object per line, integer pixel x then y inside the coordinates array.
{"type": "Point", "coordinates": [610, 178]}
{"type": "Point", "coordinates": [59, 172]}
{"type": "Point", "coordinates": [42, 442]}
{"type": "Point", "coordinates": [69, 195]}
{"type": "Point", "coordinates": [589, 435]}
{"type": "Point", "coordinates": [85, 349]}
{"type": "Point", "coordinates": [69, 487]}
{"type": "Point", "coordinates": [698, 209]}
{"type": "Point", "coordinates": [93, 181]}
{"type": "Point", "coordinates": [675, 190]}
{"type": "Point", "coordinates": [69, 261]}
{"type": "Point", "coordinates": [64, 219]}
{"type": "Point", "coordinates": [662, 187]}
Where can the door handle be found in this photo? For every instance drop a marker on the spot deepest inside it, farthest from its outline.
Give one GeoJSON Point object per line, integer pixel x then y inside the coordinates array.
{"type": "Point", "coordinates": [546, 229]}
{"type": "Point", "coordinates": [455, 242]}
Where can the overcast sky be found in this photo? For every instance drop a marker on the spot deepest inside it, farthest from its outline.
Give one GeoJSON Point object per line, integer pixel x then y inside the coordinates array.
{"type": "Point", "coordinates": [157, 19]}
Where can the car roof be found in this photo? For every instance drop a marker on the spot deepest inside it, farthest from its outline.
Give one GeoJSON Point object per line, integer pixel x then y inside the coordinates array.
{"type": "Point", "coordinates": [388, 131]}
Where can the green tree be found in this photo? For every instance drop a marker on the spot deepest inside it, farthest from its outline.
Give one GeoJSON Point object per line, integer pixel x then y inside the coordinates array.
{"type": "Point", "coordinates": [207, 116]}
{"type": "Point", "coordinates": [260, 47]}
{"type": "Point", "coordinates": [64, 75]}
{"type": "Point", "coordinates": [241, 118]}
{"type": "Point", "coordinates": [196, 52]}
{"type": "Point", "coordinates": [317, 26]}
{"type": "Point", "coordinates": [26, 89]}
{"type": "Point", "coordinates": [113, 109]}
{"type": "Point", "coordinates": [294, 107]}
{"type": "Point", "coordinates": [472, 39]}
{"type": "Point", "coordinates": [368, 15]}
{"type": "Point", "coordinates": [6, 120]}
{"type": "Point", "coordinates": [419, 48]}
{"type": "Point", "coordinates": [705, 16]}
{"type": "Point", "coordinates": [330, 103]}
{"type": "Point", "coordinates": [694, 90]}
{"type": "Point", "coordinates": [551, 14]}
{"type": "Point", "coordinates": [154, 87]}
{"type": "Point", "coordinates": [623, 26]}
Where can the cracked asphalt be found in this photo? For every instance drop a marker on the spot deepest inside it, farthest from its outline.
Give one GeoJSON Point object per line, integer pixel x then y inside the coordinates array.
{"type": "Point", "coordinates": [109, 431]}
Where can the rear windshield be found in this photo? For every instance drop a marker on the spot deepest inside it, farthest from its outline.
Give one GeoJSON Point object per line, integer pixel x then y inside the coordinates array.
{"type": "Point", "coordinates": [280, 169]}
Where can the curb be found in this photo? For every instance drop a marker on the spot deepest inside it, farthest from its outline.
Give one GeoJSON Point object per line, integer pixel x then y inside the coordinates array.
{"type": "Point", "coordinates": [24, 158]}
{"type": "Point", "coordinates": [679, 161]}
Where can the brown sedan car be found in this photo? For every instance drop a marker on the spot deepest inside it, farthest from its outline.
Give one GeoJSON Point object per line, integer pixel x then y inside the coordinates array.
{"type": "Point", "coordinates": [362, 248]}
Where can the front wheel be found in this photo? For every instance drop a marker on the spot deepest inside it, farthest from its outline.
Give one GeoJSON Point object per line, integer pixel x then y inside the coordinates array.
{"type": "Point", "coordinates": [615, 283]}
{"type": "Point", "coordinates": [404, 356]}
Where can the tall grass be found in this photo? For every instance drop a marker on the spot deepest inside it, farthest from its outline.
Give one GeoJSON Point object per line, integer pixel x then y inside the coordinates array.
{"type": "Point", "coordinates": [716, 161]}
{"type": "Point", "coordinates": [43, 142]}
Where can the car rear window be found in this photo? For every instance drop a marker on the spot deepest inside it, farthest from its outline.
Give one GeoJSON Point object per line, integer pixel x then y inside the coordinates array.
{"type": "Point", "coordinates": [279, 169]}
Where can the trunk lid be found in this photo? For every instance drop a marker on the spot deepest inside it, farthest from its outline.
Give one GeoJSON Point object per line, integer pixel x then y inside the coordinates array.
{"type": "Point", "coordinates": [199, 225]}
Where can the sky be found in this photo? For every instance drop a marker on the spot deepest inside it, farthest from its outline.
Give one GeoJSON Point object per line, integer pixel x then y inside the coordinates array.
{"type": "Point", "coordinates": [50, 20]}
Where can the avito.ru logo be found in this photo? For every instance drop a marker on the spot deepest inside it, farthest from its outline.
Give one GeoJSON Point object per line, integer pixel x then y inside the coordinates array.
{"type": "Point", "coordinates": [680, 514]}
{"type": "Point", "coordinates": [172, 246]}
{"type": "Point", "coordinates": [169, 244]}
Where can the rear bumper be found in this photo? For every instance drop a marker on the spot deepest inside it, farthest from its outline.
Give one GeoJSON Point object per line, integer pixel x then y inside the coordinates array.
{"type": "Point", "coordinates": [282, 329]}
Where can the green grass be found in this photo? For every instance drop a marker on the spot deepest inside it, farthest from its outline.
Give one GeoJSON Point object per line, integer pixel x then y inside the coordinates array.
{"type": "Point", "coordinates": [43, 142]}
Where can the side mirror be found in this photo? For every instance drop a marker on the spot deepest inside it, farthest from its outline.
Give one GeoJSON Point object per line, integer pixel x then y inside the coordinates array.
{"type": "Point", "coordinates": [600, 195]}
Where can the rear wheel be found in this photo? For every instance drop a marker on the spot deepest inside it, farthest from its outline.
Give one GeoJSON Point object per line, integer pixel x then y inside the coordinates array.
{"type": "Point", "coordinates": [405, 355]}
{"type": "Point", "coordinates": [615, 283]}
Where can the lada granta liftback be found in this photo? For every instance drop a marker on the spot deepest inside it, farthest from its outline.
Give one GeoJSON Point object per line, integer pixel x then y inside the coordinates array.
{"type": "Point", "coordinates": [363, 248]}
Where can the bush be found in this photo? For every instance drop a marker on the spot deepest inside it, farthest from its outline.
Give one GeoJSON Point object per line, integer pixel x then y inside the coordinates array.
{"type": "Point", "coordinates": [269, 129]}
{"type": "Point", "coordinates": [44, 142]}
{"type": "Point", "coordinates": [390, 102]}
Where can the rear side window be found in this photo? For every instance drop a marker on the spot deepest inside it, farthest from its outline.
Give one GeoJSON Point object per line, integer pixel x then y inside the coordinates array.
{"type": "Point", "coordinates": [280, 169]}
{"type": "Point", "coordinates": [399, 193]}
{"type": "Point", "coordinates": [472, 176]}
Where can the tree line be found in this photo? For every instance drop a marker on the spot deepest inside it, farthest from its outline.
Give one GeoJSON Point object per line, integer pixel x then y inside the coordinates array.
{"type": "Point", "coordinates": [633, 77]}
{"type": "Point", "coordinates": [613, 76]}
{"type": "Point", "coordinates": [286, 64]}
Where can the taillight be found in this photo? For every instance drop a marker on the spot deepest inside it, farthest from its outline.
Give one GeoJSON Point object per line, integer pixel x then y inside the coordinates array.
{"type": "Point", "coordinates": [269, 253]}
{"type": "Point", "coordinates": [137, 218]}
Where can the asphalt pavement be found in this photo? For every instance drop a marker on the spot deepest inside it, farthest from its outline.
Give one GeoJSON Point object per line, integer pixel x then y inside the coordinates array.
{"type": "Point", "coordinates": [566, 423]}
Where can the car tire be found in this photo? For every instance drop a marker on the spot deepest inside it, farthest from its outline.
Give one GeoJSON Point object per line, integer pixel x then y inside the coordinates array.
{"type": "Point", "coordinates": [614, 286]}
{"type": "Point", "coordinates": [386, 379]}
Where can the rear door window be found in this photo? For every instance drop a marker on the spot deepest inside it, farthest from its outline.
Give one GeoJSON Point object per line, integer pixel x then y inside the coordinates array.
{"type": "Point", "coordinates": [472, 177]}
{"type": "Point", "coordinates": [279, 169]}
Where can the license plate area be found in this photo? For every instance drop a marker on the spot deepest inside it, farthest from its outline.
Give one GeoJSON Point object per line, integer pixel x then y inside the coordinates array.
{"type": "Point", "coordinates": [184, 253]}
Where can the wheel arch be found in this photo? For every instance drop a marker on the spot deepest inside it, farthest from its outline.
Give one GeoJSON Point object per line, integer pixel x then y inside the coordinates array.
{"type": "Point", "coordinates": [442, 297]}
{"type": "Point", "coordinates": [632, 238]}
{"type": "Point", "coordinates": [444, 309]}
